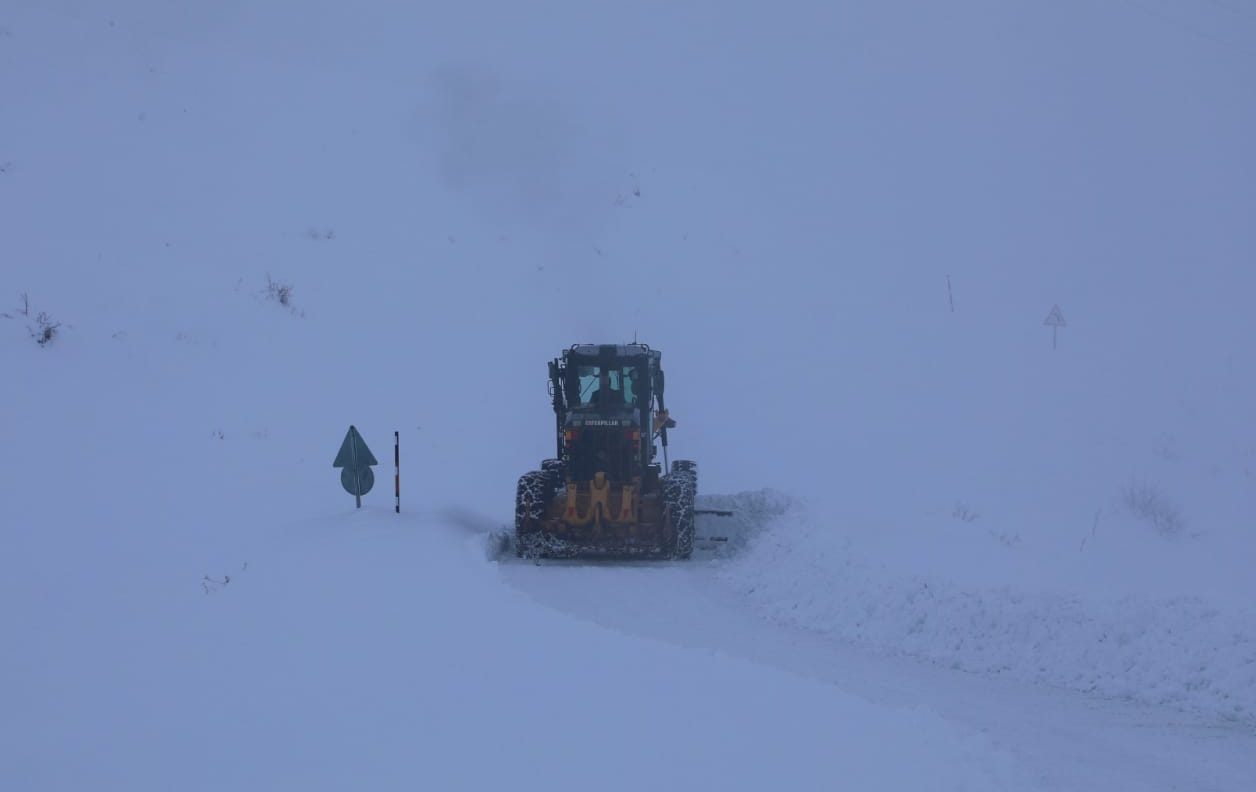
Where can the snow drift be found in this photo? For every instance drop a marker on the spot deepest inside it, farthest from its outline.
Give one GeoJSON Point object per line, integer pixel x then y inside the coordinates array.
{"type": "Point", "coordinates": [1189, 651]}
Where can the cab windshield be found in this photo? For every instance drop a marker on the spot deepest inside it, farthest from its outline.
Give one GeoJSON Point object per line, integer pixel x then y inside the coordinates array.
{"type": "Point", "coordinates": [597, 385]}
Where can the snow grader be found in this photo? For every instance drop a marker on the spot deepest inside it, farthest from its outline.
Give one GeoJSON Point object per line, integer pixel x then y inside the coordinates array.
{"type": "Point", "coordinates": [605, 493]}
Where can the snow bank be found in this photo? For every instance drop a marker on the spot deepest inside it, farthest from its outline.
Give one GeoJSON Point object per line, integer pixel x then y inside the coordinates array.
{"type": "Point", "coordinates": [1184, 651]}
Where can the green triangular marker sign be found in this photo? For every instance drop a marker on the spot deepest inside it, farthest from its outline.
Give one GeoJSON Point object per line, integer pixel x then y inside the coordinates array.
{"type": "Point", "coordinates": [353, 452]}
{"type": "Point", "coordinates": [356, 459]}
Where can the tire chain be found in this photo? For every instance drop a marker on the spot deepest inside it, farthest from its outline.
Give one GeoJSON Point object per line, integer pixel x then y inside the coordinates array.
{"type": "Point", "coordinates": [679, 491]}
{"type": "Point", "coordinates": [531, 498]}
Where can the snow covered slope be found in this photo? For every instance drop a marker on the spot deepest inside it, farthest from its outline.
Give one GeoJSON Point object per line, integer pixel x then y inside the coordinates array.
{"type": "Point", "coordinates": [374, 651]}
{"type": "Point", "coordinates": [1056, 738]}
{"type": "Point", "coordinates": [779, 199]}
{"type": "Point", "coordinates": [823, 573]}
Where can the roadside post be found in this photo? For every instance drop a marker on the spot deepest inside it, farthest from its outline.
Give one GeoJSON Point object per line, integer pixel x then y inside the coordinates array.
{"type": "Point", "coordinates": [1055, 320]}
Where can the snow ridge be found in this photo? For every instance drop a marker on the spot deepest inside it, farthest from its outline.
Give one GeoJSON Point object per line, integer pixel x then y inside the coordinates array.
{"type": "Point", "coordinates": [1182, 651]}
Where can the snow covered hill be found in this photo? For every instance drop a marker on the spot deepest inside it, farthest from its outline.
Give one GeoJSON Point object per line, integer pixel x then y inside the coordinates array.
{"type": "Point", "coordinates": [251, 225]}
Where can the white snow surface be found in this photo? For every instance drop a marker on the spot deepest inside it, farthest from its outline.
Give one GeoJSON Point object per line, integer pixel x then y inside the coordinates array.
{"type": "Point", "coordinates": [374, 651]}
{"type": "Point", "coordinates": [982, 562]}
{"type": "Point", "coordinates": [813, 572]}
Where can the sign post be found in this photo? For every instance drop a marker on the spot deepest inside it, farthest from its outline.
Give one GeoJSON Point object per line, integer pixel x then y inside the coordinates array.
{"type": "Point", "coordinates": [356, 459]}
{"type": "Point", "coordinates": [1055, 320]}
{"type": "Point", "coordinates": [397, 464]}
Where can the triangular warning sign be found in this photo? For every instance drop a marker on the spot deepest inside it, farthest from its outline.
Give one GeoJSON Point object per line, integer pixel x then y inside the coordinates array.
{"type": "Point", "coordinates": [353, 452]}
{"type": "Point", "coordinates": [1055, 318]}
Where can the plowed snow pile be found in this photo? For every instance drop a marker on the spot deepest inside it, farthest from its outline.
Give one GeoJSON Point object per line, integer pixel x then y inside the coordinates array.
{"type": "Point", "coordinates": [825, 574]}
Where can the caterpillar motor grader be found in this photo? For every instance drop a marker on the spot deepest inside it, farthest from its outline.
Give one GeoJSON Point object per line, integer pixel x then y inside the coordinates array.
{"type": "Point", "coordinates": [605, 493]}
